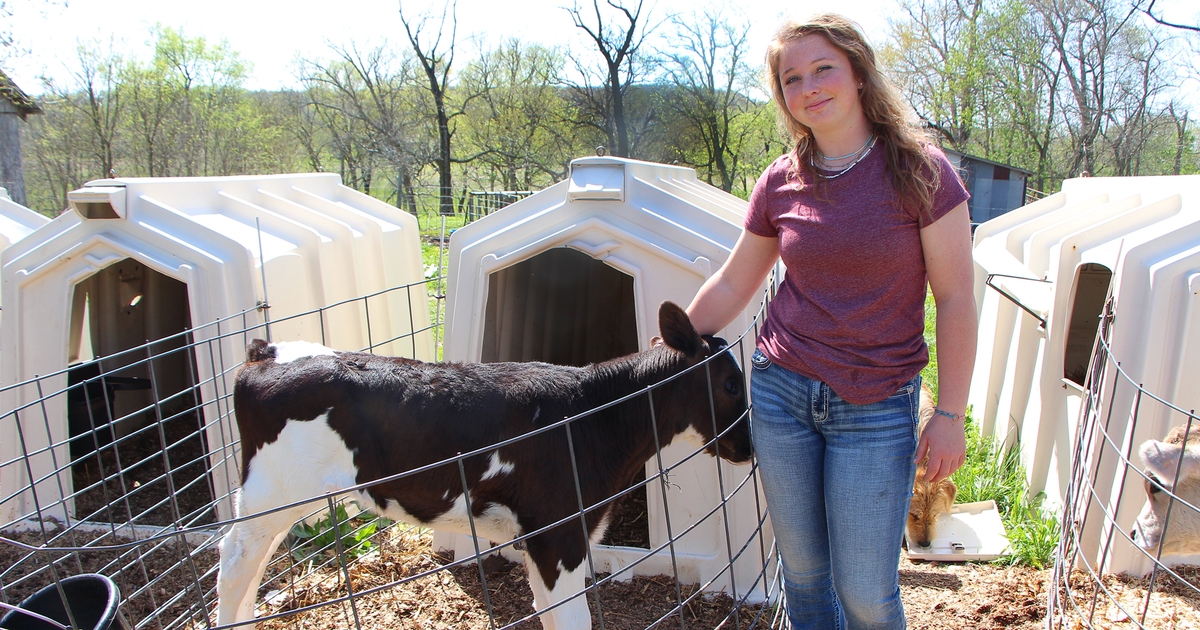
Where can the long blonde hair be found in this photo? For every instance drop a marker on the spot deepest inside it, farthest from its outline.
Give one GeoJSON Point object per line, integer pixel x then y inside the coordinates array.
{"type": "Point", "coordinates": [914, 175]}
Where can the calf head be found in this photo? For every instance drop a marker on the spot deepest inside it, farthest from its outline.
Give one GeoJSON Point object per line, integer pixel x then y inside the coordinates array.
{"type": "Point", "coordinates": [930, 500]}
{"type": "Point", "coordinates": [1180, 533]}
{"type": "Point", "coordinates": [710, 397]}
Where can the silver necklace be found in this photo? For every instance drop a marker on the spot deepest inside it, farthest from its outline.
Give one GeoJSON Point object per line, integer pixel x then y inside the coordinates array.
{"type": "Point", "coordinates": [845, 170]}
{"type": "Point", "coordinates": [827, 159]}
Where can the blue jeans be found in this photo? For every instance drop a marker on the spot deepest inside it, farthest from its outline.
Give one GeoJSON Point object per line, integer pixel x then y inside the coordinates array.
{"type": "Point", "coordinates": [838, 479]}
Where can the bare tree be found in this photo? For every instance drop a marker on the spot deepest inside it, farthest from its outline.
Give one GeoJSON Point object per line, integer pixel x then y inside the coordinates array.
{"type": "Point", "coordinates": [520, 122]}
{"type": "Point", "coordinates": [1139, 80]}
{"type": "Point", "coordinates": [369, 102]}
{"type": "Point", "coordinates": [1082, 36]}
{"type": "Point", "coordinates": [1148, 9]}
{"type": "Point", "coordinates": [304, 127]}
{"type": "Point", "coordinates": [96, 92]}
{"type": "Point", "coordinates": [618, 42]}
{"type": "Point", "coordinates": [436, 58]}
{"type": "Point", "coordinates": [1181, 136]}
{"type": "Point", "coordinates": [711, 77]}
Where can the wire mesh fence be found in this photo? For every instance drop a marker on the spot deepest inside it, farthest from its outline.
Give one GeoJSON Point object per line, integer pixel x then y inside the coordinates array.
{"type": "Point", "coordinates": [1125, 528]}
{"type": "Point", "coordinates": [482, 203]}
{"type": "Point", "coordinates": [110, 469]}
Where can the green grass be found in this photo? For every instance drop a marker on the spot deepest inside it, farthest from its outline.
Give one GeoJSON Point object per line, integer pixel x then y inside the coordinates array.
{"type": "Point", "coordinates": [431, 259]}
{"type": "Point", "coordinates": [992, 473]}
{"type": "Point", "coordinates": [431, 230]}
{"type": "Point", "coordinates": [929, 374]}
{"type": "Point", "coordinates": [1033, 536]}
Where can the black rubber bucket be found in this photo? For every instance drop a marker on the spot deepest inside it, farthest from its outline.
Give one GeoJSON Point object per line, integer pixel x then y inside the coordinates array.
{"type": "Point", "coordinates": [93, 599]}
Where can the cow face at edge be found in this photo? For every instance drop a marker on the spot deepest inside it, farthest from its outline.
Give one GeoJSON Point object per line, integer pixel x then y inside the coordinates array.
{"type": "Point", "coordinates": [1164, 460]}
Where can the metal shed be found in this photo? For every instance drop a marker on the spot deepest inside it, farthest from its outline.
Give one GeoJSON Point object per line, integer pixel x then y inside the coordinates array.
{"type": "Point", "coordinates": [995, 188]}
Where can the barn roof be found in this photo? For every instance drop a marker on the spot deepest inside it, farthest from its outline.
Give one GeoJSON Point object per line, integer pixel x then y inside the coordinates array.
{"type": "Point", "coordinates": [13, 94]}
{"type": "Point", "coordinates": [976, 158]}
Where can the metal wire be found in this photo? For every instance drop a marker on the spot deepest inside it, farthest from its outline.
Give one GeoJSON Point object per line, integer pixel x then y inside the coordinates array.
{"type": "Point", "coordinates": [135, 522]}
{"type": "Point", "coordinates": [1106, 432]}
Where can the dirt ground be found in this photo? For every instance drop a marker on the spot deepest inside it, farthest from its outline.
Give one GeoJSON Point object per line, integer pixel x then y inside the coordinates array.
{"type": "Point", "coordinates": [937, 596]}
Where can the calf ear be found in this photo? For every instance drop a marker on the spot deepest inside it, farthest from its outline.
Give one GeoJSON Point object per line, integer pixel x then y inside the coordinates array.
{"type": "Point", "coordinates": [259, 350]}
{"type": "Point", "coordinates": [677, 330]}
{"type": "Point", "coordinates": [1162, 459]}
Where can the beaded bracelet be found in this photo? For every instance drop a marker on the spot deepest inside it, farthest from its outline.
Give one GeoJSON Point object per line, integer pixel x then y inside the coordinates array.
{"type": "Point", "coordinates": [954, 417]}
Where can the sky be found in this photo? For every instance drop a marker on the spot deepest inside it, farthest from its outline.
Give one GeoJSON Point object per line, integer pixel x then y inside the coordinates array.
{"type": "Point", "coordinates": [271, 34]}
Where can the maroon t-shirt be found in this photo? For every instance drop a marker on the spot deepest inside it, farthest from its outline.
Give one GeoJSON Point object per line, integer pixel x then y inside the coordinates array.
{"type": "Point", "coordinates": [850, 311]}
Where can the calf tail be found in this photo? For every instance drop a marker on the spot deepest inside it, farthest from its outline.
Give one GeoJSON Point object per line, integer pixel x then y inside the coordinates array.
{"type": "Point", "coordinates": [259, 350]}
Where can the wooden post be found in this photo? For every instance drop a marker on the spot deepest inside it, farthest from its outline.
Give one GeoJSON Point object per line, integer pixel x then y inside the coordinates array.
{"type": "Point", "coordinates": [14, 104]}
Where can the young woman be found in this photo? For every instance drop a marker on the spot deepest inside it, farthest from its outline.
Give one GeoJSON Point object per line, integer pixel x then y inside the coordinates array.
{"type": "Point", "coordinates": [863, 210]}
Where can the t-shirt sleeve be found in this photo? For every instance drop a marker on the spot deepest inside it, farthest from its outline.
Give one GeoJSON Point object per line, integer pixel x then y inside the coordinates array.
{"type": "Point", "coordinates": [950, 192]}
{"type": "Point", "coordinates": [758, 217]}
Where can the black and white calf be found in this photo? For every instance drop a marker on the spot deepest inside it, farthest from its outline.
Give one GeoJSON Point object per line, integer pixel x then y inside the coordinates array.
{"type": "Point", "coordinates": [315, 421]}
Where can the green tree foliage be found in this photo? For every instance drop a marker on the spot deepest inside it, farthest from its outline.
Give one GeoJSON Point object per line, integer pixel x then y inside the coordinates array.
{"type": "Point", "coordinates": [1059, 87]}
{"type": "Point", "coordinates": [709, 76]}
{"type": "Point", "coordinates": [1056, 87]}
{"type": "Point", "coordinates": [182, 112]}
{"type": "Point", "coordinates": [190, 114]}
{"type": "Point", "coordinates": [520, 125]}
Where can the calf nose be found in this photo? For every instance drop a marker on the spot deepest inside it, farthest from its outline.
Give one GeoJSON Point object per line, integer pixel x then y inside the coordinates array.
{"type": "Point", "coordinates": [923, 543]}
{"type": "Point", "coordinates": [1133, 534]}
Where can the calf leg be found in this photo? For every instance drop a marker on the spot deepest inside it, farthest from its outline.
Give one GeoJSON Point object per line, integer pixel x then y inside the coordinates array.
{"type": "Point", "coordinates": [574, 614]}
{"type": "Point", "coordinates": [541, 598]}
{"type": "Point", "coordinates": [567, 585]}
{"type": "Point", "coordinates": [245, 552]}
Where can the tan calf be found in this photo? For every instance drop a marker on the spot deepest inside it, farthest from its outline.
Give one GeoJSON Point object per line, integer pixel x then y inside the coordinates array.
{"type": "Point", "coordinates": [930, 500]}
{"type": "Point", "coordinates": [1165, 462]}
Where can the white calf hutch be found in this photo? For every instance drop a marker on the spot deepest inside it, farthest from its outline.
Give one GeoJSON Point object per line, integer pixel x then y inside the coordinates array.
{"type": "Point", "coordinates": [188, 260]}
{"type": "Point", "coordinates": [128, 315]}
{"type": "Point", "coordinates": [17, 221]}
{"type": "Point", "coordinates": [575, 274]}
{"type": "Point", "coordinates": [1057, 261]}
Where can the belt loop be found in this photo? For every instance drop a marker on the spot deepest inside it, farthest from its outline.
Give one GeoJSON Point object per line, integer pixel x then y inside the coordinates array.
{"type": "Point", "coordinates": [820, 400]}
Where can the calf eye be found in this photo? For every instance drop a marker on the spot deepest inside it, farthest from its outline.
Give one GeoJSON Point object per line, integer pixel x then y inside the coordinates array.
{"type": "Point", "coordinates": [1152, 486]}
{"type": "Point", "coordinates": [733, 387]}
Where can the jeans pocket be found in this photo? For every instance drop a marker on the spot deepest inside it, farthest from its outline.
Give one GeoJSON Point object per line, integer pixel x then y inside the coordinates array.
{"type": "Point", "coordinates": [759, 360]}
{"type": "Point", "coordinates": [909, 392]}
